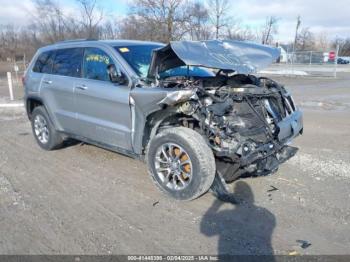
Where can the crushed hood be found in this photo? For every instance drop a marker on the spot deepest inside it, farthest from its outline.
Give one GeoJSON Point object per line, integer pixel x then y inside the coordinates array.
{"type": "Point", "coordinates": [242, 57]}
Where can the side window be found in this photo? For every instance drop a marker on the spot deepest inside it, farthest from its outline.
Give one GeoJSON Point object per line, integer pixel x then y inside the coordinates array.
{"type": "Point", "coordinates": [68, 62]}
{"type": "Point", "coordinates": [95, 64]}
{"type": "Point", "coordinates": [44, 62]}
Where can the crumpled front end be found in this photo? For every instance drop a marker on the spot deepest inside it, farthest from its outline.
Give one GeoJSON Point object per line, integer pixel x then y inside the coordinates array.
{"type": "Point", "coordinates": [247, 121]}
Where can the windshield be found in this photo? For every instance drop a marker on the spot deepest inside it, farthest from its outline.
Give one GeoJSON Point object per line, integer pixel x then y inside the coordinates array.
{"type": "Point", "coordinates": [139, 58]}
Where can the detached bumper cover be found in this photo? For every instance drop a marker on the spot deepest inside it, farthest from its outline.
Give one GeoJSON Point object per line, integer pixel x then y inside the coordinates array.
{"type": "Point", "coordinates": [291, 126]}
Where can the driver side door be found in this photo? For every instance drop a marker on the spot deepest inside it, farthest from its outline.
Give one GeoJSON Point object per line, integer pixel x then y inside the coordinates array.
{"type": "Point", "coordinates": [102, 107]}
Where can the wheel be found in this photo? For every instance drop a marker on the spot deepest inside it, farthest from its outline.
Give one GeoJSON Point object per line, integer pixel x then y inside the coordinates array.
{"type": "Point", "coordinates": [44, 132]}
{"type": "Point", "coordinates": [181, 163]}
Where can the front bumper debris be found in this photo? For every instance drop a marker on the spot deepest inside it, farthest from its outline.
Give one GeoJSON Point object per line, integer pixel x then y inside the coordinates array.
{"type": "Point", "coordinates": [291, 126]}
{"type": "Point", "coordinates": [264, 167]}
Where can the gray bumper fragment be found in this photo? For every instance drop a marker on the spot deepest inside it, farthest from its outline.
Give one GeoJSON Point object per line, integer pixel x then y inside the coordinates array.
{"type": "Point", "coordinates": [291, 126]}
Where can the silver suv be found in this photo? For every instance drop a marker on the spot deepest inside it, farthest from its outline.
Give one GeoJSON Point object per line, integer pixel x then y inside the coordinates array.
{"type": "Point", "coordinates": [192, 110]}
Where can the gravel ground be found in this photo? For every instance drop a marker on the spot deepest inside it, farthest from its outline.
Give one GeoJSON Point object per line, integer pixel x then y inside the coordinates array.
{"type": "Point", "coordinates": [86, 200]}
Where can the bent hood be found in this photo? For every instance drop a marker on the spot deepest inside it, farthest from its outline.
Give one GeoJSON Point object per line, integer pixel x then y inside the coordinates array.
{"type": "Point", "coordinates": [242, 57]}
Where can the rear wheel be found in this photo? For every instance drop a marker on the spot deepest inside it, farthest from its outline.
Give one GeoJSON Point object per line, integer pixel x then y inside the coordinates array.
{"type": "Point", "coordinates": [181, 163]}
{"type": "Point", "coordinates": [44, 132]}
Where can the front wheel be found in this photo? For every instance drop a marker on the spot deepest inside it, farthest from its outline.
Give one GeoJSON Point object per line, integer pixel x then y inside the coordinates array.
{"type": "Point", "coordinates": [181, 163]}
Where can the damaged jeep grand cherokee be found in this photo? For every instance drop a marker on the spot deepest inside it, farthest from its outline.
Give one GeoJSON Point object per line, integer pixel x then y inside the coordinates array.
{"type": "Point", "coordinates": [191, 109]}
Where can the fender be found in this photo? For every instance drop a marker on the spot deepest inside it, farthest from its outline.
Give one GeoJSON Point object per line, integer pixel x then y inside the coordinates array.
{"type": "Point", "coordinates": [30, 108]}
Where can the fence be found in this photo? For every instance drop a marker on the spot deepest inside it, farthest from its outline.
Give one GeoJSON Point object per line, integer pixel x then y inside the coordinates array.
{"type": "Point", "coordinates": [308, 63]}
{"type": "Point", "coordinates": [16, 70]}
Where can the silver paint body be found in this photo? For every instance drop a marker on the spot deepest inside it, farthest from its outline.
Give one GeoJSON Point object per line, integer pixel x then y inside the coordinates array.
{"type": "Point", "coordinates": [102, 112]}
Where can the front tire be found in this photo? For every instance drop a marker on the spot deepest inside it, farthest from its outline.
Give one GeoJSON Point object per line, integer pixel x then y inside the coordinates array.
{"type": "Point", "coordinates": [43, 130]}
{"type": "Point", "coordinates": [181, 163]}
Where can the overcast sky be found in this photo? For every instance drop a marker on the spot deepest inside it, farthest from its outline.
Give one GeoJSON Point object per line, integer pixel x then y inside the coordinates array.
{"type": "Point", "coordinates": [330, 17]}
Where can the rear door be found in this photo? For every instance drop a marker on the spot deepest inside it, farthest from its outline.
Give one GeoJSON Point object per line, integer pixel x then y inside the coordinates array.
{"type": "Point", "coordinates": [42, 66]}
{"type": "Point", "coordinates": [102, 107]}
{"type": "Point", "coordinates": [57, 87]}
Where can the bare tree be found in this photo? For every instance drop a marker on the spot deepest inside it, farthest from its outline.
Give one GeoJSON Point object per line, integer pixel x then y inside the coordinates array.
{"type": "Point", "coordinates": [198, 21]}
{"type": "Point", "coordinates": [138, 28]}
{"type": "Point", "coordinates": [49, 20]}
{"type": "Point", "coordinates": [322, 41]}
{"type": "Point", "coordinates": [219, 14]}
{"type": "Point", "coordinates": [109, 30]}
{"type": "Point", "coordinates": [305, 40]}
{"type": "Point", "coordinates": [166, 17]}
{"type": "Point", "coordinates": [9, 41]}
{"type": "Point", "coordinates": [344, 46]}
{"type": "Point", "coordinates": [91, 17]}
{"type": "Point", "coordinates": [155, 20]}
{"type": "Point", "coordinates": [269, 29]}
{"type": "Point", "coordinates": [241, 33]}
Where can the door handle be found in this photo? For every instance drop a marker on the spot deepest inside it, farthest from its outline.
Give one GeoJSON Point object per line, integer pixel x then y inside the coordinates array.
{"type": "Point", "coordinates": [49, 82]}
{"type": "Point", "coordinates": [82, 87]}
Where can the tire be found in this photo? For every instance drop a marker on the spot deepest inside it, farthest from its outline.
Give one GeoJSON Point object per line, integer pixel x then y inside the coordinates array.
{"type": "Point", "coordinates": [194, 169]}
{"type": "Point", "coordinates": [43, 130]}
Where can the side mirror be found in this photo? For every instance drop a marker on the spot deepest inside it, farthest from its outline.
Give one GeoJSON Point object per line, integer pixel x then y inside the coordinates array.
{"type": "Point", "coordinates": [115, 75]}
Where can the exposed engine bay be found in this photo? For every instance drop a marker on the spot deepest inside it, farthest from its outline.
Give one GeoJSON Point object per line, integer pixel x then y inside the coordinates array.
{"type": "Point", "coordinates": [247, 120]}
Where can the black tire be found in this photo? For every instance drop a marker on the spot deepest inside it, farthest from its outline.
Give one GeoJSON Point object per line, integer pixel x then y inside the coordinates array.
{"type": "Point", "coordinates": [55, 139]}
{"type": "Point", "coordinates": [201, 157]}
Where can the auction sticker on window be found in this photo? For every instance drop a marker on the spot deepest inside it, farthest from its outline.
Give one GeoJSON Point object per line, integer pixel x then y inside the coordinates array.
{"type": "Point", "coordinates": [124, 49]}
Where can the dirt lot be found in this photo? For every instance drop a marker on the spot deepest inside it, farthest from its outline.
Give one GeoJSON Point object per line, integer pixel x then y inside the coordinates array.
{"type": "Point", "coordinates": [86, 200]}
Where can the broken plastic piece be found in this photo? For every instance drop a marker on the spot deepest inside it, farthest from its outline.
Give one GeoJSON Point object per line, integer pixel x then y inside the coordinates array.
{"type": "Point", "coordinates": [304, 244]}
{"type": "Point", "coordinates": [272, 189]}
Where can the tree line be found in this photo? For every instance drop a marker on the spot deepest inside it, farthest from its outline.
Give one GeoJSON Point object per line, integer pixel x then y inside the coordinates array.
{"type": "Point", "coordinates": [153, 20]}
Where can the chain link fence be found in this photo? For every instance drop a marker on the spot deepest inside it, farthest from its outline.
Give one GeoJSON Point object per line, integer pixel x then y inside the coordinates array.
{"type": "Point", "coordinates": [309, 63]}
{"type": "Point", "coordinates": [309, 57]}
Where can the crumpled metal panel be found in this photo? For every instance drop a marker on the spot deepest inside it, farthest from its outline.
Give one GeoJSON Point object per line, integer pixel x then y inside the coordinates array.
{"type": "Point", "coordinates": [242, 57]}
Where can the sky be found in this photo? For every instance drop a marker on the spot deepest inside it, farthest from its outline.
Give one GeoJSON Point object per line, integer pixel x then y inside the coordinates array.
{"type": "Point", "coordinates": [320, 16]}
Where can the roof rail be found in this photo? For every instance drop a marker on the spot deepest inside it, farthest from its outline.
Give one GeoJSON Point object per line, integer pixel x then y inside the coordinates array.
{"type": "Point", "coordinates": [76, 40]}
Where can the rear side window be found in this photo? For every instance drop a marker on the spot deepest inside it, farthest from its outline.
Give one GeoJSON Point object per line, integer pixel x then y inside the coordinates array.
{"type": "Point", "coordinates": [68, 62]}
{"type": "Point", "coordinates": [95, 64]}
{"type": "Point", "coordinates": [44, 62]}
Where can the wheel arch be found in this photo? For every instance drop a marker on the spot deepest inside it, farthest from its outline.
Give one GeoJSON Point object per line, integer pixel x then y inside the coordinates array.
{"type": "Point", "coordinates": [31, 103]}
{"type": "Point", "coordinates": [155, 121]}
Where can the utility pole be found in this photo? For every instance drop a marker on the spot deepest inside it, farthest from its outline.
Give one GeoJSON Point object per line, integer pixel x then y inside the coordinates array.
{"type": "Point", "coordinates": [336, 61]}
{"type": "Point", "coordinates": [295, 40]}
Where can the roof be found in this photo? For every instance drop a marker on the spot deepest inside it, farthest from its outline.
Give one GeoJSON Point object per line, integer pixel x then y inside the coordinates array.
{"type": "Point", "coordinates": [128, 42]}
{"type": "Point", "coordinates": [83, 42]}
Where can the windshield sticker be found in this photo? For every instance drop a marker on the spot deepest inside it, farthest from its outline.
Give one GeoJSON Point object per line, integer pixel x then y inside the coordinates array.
{"type": "Point", "coordinates": [98, 58]}
{"type": "Point", "coordinates": [124, 49]}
